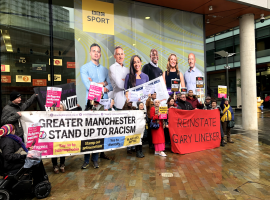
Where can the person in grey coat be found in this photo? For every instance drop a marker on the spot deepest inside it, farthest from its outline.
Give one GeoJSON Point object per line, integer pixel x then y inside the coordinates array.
{"type": "Point", "coordinates": [11, 112]}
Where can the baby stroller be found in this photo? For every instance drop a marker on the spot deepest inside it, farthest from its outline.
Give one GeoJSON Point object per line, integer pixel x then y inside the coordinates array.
{"type": "Point", "coordinates": [20, 182]}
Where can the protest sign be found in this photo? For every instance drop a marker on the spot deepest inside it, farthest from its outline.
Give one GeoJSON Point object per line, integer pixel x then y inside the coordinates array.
{"type": "Point", "coordinates": [106, 103]}
{"type": "Point", "coordinates": [194, 130]}
{"type": "Point", "coordinates": [53, 96]}
{"type": "Point", "coordinates": [68, 96]}
{"type": "Point", "coordinates": [148, 89]}
{"type": "Point", "coordinates": [95, 91]}
{"type": "Point", "coordinates": [133, 96]}
{"type": "Point", "coordinates": [163, 112]}
{"type": "Point", "coordinates": [222, 91]}
{"type": "Point", "coordinates": [183, 90]}
{"type": "Point", "coordinates": [157, 84]}
{"type": "Point", "coordinates": [66, 133]}
{"type": "Point", "coordinates": [199, 82]}
{"type": "Point", "coordinates": [33, 134]}
{"type": "Point", "coordinates": [175, 85]}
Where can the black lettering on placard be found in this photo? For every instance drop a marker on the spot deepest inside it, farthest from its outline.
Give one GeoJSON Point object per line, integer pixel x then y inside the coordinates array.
{"type": "Point", "coordinates": [207, 137]}
{"type": "Point", "coordinates": [88, 132]}
{"type": "Point", "coordinates": [92, 145]}
{"type": "Point", "coordinates": [196, 122]}
{"type": "Point", "coordinates": [98, 19]}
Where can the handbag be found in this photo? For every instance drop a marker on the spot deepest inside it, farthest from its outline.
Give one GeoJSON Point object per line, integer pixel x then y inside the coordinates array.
{"type": "Point", "coordinates": [153, 124]}
{"type": "Point", "coordinates": [230, 124]}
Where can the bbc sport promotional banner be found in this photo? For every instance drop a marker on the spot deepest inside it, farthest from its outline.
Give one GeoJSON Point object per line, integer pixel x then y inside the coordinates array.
{"type": "Point", "coordinates": [67, 133]}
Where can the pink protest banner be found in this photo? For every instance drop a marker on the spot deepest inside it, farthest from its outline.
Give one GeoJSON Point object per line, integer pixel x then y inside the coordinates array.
{"type": "Point", "coordinates": [163, 112]}
{"type": "Point", "coordinates": [45, 147]}
{"type": "Point", "coordinates": [222, 91]}
{"type": "Point", "coordinates": [53, 96]}
{"type": "Point", "coordinates": [95, 91]}
{"type": "Point", "coordinates": [33, 135]}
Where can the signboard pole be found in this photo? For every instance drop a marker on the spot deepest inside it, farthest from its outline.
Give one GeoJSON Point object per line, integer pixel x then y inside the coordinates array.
{"type": "Point", "coordinates": [227, 76]}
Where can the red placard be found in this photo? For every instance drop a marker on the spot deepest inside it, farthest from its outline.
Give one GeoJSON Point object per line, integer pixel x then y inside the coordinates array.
{"type": "Point", "coordinates": [194, 130]}
{"type": "Point", "coordinates": [5, 79]}
{"type": "Point", "coordinates": [71, 65]}
{"type": "Point", "coordinates": [39, 82]}
{"type": "Point", "coordinates": [3, 68]}
{"type": "Point", "coordinates": [71, 81]}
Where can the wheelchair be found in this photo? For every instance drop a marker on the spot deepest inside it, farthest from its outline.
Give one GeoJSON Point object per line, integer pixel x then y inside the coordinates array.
{"type": "Point", "coordinates": [16, 183]}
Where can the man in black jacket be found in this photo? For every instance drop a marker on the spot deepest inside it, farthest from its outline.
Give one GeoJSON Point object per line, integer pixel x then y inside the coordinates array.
{"type": "Point", "coordinates": [152, 69]}
{"type": "Point", "coordinates": [11, 112]}
{"type": "Point", "coordinates": [183, 104]}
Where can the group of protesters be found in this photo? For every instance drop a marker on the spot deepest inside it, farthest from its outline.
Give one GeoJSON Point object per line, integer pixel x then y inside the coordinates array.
{"type": "Point", "coordinates": [115, 82]}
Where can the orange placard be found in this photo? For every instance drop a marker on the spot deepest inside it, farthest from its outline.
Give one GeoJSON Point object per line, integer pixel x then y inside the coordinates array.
{"type": "Point", "coordinates": [39, 82]}
{"type": "Point", "coordinates": [5, 79]}
{"type": "Point", "coordinates": [71, 81]}
{"type": "Point", "coordinates": [71, 65]}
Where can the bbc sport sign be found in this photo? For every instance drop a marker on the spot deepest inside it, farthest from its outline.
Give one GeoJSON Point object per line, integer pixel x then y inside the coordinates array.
{"type": "Point", "coordinates": [67, 133]}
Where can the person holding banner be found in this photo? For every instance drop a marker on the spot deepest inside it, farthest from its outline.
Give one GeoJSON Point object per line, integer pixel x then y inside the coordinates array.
{"type": "Point", "coordinates": [172, 72]}
{"type": "Point", "coordinates": [136, 76]}
{"type": "Point", "coordinates": [158, 137]}
{"type": "Point", "coordinates": [183, 104]}
{"type": "Point", "coordinates": [118, 73]}
{"type": "Point", "coordinates": [228, 115]}
{"type": "Point", "coordinates": [139, 152]}
{"type": "Point", "coordinates": [11, 112]}
{"type": "Point", "coordinates": [193, 100]}
{"type": "Point", "coordinates": [149, 104]}
{"type": "Point", "coordinates": [95, 72]}
{"type": "Point", "coordinates": [191, 74]}
{"type": "Point", "coordinates": [207, 104]}
{"type": "Point", "coordinates": [152, 69]}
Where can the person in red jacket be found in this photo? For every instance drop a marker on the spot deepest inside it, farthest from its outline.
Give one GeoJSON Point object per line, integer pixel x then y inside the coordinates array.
{"type": "Point", "coordinates": [158, 137]}
{"type": "Point", "coordinates": [193, 100]}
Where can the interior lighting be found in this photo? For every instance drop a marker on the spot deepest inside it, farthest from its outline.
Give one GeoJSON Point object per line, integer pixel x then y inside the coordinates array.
{"type": "Point", "coordinates": [147, 17]}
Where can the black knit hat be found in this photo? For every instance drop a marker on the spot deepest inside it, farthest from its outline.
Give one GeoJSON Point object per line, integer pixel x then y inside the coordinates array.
{"type": "Point", "coordinates": [14, 95]}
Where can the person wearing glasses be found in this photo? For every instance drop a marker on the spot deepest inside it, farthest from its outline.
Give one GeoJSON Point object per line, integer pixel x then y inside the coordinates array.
{"type": "Point", "coordinates": [183, 104]}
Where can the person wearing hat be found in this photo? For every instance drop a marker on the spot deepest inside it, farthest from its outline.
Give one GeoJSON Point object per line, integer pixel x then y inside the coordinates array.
{"type": "Point", "coordinates": [227, 116]}
{"type": "Point", "coordinates": [11, 113]}
{"type": "Point", "coordinates": [207, 104]}
{"type": "Point", "coordinates": [14, 153]}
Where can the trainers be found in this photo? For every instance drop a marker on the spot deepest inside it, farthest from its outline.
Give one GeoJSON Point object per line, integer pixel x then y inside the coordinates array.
{"type": "Point", "coordinates": [95, 164]}
{"type": "Point", "coordinates": [56, 169]}
{"type": "Point", "coordinates": [156, 153]}
{"type": "Point", "coordinates": [62, 168]}
{"type": "Point", "coordinates": [162, 154]}
{"type": "Point", "coordinates": [85, 165]}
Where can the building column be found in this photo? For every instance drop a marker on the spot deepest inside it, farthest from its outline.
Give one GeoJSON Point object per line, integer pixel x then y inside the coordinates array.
{"type": "Point", "coordinates": [248, 72]}
{"type": "Point", "coordinates": [238, 89]}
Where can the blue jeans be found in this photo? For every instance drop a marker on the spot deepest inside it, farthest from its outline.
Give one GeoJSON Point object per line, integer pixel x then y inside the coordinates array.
{"type": "Point", "coordinates": [94, 157]}
{"type": "Point", "coordinates": [129, 148]}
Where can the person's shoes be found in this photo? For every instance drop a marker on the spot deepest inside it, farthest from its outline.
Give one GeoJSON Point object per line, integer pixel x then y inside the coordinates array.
{"type": "Point", "coordinates": [56, 169]}
{"type": "Point", "coordinates": [138, 154]}
{"type": "Point", "coordinates": [156, 152]}
{"type": "Point", "coordinates": [62, 168]}
{"type": "Point", "coordinates": [85, 165]}
{"type": "Point", "coordinates": [224, 141]}
{"type": "Point", "coordinates": [230, 141]}
{"type": "Point", "coordinates": [162, 154]}
{"type": "Point", "coordinates": [142, 153]}
{"type": "Point", "coordinates": [103, 155]}
{"type": "Point", "coordinates": [129, 152]}
{"type": "Point", "coordinates": [95, 164]}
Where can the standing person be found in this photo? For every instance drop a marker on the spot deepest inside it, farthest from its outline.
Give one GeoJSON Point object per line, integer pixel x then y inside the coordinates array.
{"type": "Point", "coordinates": [56, 168]}
{"type": "Point", "coordinates": [151, 69]}
{"type": "Point", "coordinates": [170, 104]}
{"type": "Point", "coordinates": [158, 134]}
{"type": "Point", "coordinates": [95, 72]}
{"type": "Point", "coordinates": [136, 76]}
{"type": "Point", "coordinates": [207, 104]}
{"type": "Point", "coordinates": [118, 73]}
{"type": "Point", "coordinates": [139, 152]}
{"type": "Point", "coordinates": [192, 99]}
{"type": "Point", "coordinates": [183, 104]}
{"type": "Point", "coordinates": [172, 72]}
{"type": "Point", "coordinates": [228, 115]}
{"type": "Point", "coordinates": [213, 107]}
{"type": "Point", "coordinates": [191, 74]}
{"type": "Point", "coordinates": [149, 104]}
{"type": "Point", "coordinates": [11, 112]}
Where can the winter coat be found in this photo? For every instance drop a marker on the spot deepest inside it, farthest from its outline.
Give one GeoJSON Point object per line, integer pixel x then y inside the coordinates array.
{"type": "Point", "coordinates": [220, 110]}
{"type": "Point", "coordinates": [10, 115]}
{"type": "Point", "coordinates": [184, 105]}
{"type": "Point", "coordinates": [194, 102]}
{"type": "Point", "coordinates": [229, 114]}
{"type": "Point", "coordinates": [157, 134]}
{"type": "Point", "coordinates": [149, 104]}
{"type": "Point", "coordinates": [12, 160]}
{"type": "Point", "coordinates": [99, 107]}
{"type": "Point", "coordinates": [207, 106]}
{"type": "Point", "coordinates": [125, 107]}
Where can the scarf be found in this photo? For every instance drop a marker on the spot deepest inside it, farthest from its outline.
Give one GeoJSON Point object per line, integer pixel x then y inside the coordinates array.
{"type": "Point", "coordinates": [156, 112]}
{"type": "Point", "coordinates": [19, 140]}
{"type": "Point", "coordinates": [227, 115]}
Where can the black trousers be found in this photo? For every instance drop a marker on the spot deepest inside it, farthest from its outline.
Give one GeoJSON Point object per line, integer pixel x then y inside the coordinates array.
{"type": "Point", "coordinates": [149, 136]}
{"type": "Point", "coordinates": [139, 148]}
{"type": "Point", "coordinates": [62, 161]}
{"type": "Point", "coordinates": [39, 173]}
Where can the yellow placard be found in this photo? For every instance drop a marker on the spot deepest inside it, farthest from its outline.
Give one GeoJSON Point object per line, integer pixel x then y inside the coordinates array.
{"type": "Point", "coordinates": [163, 110]}
{"type": "Point", "coordinates": [23, 78]}
{"type": "Point", "coordinates": [98, 17]}
{"type": "Point", "coordinates": [57, 77]}
{"type": "Point", "coordinates": [222, 90]}
{"type": "Point", "coordinates": [66, 147]}
{"type": "Point", "coordinates": [133, 139]}
{"type": "Point", "coordinates": [56, 62]}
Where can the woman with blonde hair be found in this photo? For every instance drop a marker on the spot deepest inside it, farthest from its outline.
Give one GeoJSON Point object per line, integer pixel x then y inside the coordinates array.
{"type": "Point", "coordinates": [172, 72]}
